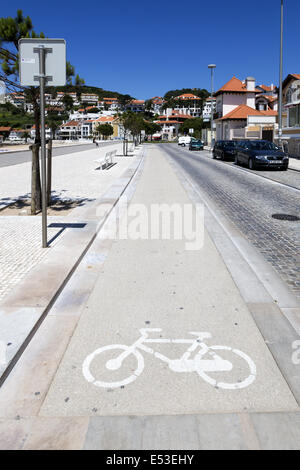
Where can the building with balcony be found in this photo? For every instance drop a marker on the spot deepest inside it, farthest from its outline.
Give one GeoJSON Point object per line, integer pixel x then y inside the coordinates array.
{"type": "Point", "coordinates": [89, 98]}
{"type": "Point", "coordinates": [236, 115]}
{"type": "Point", "coordinates": [70, 130]}
{"type": "Point", "coordinates": [136, 106]}
{"type": "Point", "coordinates": [206, 112]}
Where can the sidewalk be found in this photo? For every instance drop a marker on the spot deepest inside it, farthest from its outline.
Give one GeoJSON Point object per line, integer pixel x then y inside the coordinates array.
{"type": "Point", "coordinates": [136, 284]}
{"type": "Point", "coordinates": [294, 164]}
{"type": "Point", "coordinates": [74, 177]}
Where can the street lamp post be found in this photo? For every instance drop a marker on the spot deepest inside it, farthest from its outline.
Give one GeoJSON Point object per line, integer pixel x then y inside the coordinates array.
{"type": "Point", "coordinates": [280, 79]}
{"type": "Point", "coordinates": [212, 67]}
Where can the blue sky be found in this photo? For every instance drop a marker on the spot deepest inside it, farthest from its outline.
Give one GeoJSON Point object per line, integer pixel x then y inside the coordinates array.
{"type": "Point", "coordinates": [147, 48]}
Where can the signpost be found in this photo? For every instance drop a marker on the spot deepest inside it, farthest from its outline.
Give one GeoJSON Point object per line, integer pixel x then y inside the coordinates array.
{"type": "Point", "coordinates": [42, 61]}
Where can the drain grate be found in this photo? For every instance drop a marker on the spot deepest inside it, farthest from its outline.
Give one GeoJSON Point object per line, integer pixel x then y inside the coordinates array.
{"type": "Point", "coordinates": [291, 218]}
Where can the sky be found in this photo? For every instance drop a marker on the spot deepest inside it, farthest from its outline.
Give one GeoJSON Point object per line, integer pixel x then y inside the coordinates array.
{"type": "Point", "coordinates": [147, 48]}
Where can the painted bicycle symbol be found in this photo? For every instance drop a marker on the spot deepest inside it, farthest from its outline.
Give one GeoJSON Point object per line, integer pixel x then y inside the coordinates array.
{"type": "Point", "coordinates": [188, 362]}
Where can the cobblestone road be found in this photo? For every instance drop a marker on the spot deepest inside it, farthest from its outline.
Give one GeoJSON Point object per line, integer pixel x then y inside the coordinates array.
{"type": "Point", "coordinates": [249, 201]}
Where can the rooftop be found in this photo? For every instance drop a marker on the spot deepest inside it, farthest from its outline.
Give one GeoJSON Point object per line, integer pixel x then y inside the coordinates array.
{"type": "Point", "coordinates": [243, 111]}
{"type": "Point", "coordinates": [235, 85]}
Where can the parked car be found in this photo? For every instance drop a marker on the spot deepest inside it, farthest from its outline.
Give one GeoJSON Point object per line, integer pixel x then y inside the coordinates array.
{"type": "Point", "coordinates": [260, 154]}
{"type": "Point", "coordinates": [225, 149]}
{"type": "Point", "coordinates": [185, 140]}
{"type": "Point", "coordinates": [196, 145]}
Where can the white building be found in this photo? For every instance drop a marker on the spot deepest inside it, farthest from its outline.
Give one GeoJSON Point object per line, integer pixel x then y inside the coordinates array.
{"type": "Point", "coordinates": [136, 106]}
{"type": "Point", "coordinates": [70, 130]}
{"type": "Point", "coordinates": [236, 113]}
{"type": "Point", "coordinates": [189, 104]}
{"type": "Point", "coordinates": [48, 132]}
{"type": "Point", "coordinates": [206, 112]}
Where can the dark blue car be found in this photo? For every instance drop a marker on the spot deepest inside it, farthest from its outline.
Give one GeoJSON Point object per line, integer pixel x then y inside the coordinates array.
{"type": "Point", "coordinates": [260, 154]}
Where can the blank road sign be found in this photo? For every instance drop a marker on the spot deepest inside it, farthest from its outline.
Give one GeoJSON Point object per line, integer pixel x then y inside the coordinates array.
{"type": "Point", "coordinates": [55, 62]}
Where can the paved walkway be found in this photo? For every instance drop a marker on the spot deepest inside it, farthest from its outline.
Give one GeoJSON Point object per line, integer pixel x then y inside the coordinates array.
{"type": "Point", "coordinates": [74, 177]}
{"type": "Point", "coordinates": [294, 164]}
{"type": "Point", "coordinates": [151, 400]}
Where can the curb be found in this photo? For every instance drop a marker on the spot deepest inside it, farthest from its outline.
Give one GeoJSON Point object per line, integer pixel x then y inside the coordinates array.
{"type": "Point", "coordinates": [24, 309]}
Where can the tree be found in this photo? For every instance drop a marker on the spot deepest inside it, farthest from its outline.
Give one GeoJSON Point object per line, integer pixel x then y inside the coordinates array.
{"type": "Point", "coordinates": [124, 100]}
{"type": "Point", "coordinates": [68, 102]}
{"type": "Point", "coordinates": [11, 30]}
{"type": "Point", "coordinates": [151, 128]}
{"type": "Point", "coordinates": [195, 123]}
{"type": "Point", "coordinates": [104, 130]}
{"type": "Point", "coordinates": [125, 120]}
{"type": "Point", "coordinates": [136, 125]}
{"type": "Point", "coordinates": [26, 135]}
{"type": "Point", "coordinates": [79, 81]}
{"type": "Point", "coordinates": [70, 72]}
{"type": "Point", "coordinates": [149, 105]}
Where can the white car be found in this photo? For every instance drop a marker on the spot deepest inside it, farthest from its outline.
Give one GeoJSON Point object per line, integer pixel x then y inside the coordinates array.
{"type": "Point", "coordinates": [185, 140]}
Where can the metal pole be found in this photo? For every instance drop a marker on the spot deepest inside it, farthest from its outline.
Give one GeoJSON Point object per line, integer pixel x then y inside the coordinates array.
{"type": "Point", "coordinates": [42, 78]}
{"type": "Point", "coordinates": [280, 79]}
{"type": "Point", "coordinates": [211, 67]}
{"type": "Point", "coordinates": [212, 111]}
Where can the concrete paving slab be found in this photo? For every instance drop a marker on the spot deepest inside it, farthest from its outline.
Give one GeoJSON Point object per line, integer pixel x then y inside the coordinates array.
{"type": "Point", "coordinates": [277, 431]}
{"type": "Point", "coordinates": [14, 432]}
{"type": "Point", "coordinates": [170, 433]}
{"type": "Point", "coordinates": [220, 432]}
{"type": "Point", "coordinates": [184, 432]}
{"type": "Point", "coordinates": [116, 432]}
{"type": "Point", "coordinates": [57, 434]}
{"type": "Point", "coordinates": [25, 388]}
{"type": "Point", "coordinates": [152, 283]}
{"type": "Point", "coordinates": [15, 324]}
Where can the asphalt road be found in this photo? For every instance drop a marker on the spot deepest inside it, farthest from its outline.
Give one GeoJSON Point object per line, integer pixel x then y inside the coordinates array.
{"type": "Point", "coordinates": [249, 199]}
{"type": "Point", "coordinates": [14, 158]}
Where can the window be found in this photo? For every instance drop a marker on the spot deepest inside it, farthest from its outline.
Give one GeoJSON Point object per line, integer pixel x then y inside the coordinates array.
{"type": "Point", "coordinates": [294, 116]}
{"type": "Point", "coordinates": [289, 95]}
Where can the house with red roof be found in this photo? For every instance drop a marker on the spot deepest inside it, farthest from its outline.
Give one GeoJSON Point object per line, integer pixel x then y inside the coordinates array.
{"type": "Point", "coordinates": [187, 103]}
{"type": "Point", "coordinates": [70, 130]}
{"type": "Point", "coordinates": [170, 124]}
{"type": "Point", "coordinates": [236, 115]}
{"type": "Point", "coordinates": [291, 113]}
{"type": "Point", "coordinates": [136, 106]}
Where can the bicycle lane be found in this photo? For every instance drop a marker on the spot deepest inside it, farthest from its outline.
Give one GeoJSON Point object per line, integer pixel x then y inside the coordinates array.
{"type": "Point", "coordinates": [160, 284]}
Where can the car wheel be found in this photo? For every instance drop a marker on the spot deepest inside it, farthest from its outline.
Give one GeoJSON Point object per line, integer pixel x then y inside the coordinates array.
{"type": "Point", "coordinates": [222, 156]}
{"type": "Point", "coordinates": [251, 164]}
{"type": "Point", "coordinates": [284, 168]}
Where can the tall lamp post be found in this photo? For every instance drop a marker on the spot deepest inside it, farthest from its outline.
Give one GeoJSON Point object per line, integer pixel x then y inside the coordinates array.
{"type": "Point", "coordinates": [212, 67]}
{"type": "Point", "coordinates": [280, 79]}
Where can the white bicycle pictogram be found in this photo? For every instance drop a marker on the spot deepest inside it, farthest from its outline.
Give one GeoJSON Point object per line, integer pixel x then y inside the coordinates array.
{"type": "Point", "coordinates": [185, 363]}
